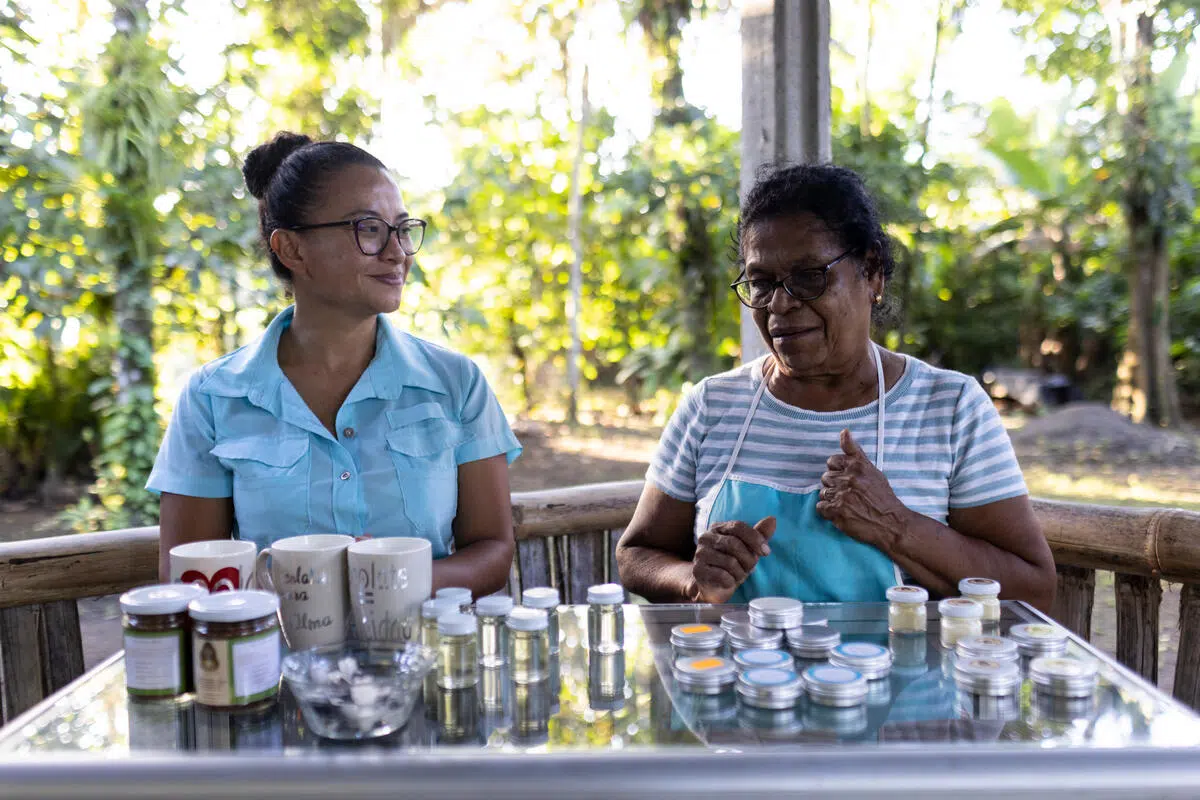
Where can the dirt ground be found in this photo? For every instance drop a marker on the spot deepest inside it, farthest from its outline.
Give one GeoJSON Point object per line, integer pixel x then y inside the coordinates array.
{"type": "Point", "coordinates": [1083, 452]}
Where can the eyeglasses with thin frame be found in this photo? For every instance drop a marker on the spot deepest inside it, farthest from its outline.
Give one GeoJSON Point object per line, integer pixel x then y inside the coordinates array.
{"type": "Point", "coordinates": [372, 233]}
{"type": "Point", "coordinates": [805, 284]}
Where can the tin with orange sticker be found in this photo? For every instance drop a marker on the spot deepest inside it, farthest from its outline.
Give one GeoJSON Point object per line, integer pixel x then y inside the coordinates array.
{"type": "Point", "coordinates": [705, 674]}
{"type": "Point", "coordinates": [697, 639]}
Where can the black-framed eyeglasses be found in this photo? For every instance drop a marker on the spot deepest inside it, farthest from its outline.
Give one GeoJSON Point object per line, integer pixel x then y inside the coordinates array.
{"type": "Point", "coordinates": [805, 284]}
{"type": "Point", "coordinates": [372, 233]}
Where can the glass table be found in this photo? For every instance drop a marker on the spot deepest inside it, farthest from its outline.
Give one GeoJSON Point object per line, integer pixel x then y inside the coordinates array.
{"type": "Point", "coordinates": [619, 725]}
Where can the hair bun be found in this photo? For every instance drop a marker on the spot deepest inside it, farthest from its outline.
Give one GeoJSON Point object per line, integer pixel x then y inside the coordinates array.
{"type": "Point", "coordinates": [264, 160]}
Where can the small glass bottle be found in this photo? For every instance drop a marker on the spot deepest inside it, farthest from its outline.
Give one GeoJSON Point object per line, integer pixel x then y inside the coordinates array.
{"type": "Point", "coordinates": [458, 651]}
{"type": "Point", "coordinates": [906, 609]}
{"type": "Point", "coordinates": [960, 618]}
{"type": "Point", "coordinates": [547, 599]}
{"type": "Point", "coordinates": [460, 595]}
{"type": "Point", "coordinates": [528, 645]}
{"type": "Point", "coordinates": [493, 633]}
{"type": "Point", "coordinates": [984, 591]}
{"type": "Point", "coordinates": [606, 618]}
{"type": "Point", "coordinates": [430, 611]}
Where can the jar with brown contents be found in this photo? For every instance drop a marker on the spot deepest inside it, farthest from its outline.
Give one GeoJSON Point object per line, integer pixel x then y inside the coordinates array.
{"type": "Point", "coordinates": [235, 648]}
{"type": "Point", "coordinates": [158, 660]}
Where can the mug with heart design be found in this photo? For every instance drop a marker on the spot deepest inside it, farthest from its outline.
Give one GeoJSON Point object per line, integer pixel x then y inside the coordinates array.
{"type": "Point", "coordinates": [219, 565]}
{"type": "Point", "coordinates": [309, 575]}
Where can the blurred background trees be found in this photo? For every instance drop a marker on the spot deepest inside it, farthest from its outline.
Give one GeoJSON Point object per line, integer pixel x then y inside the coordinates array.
{"type": "Point", "coordinates": [1044, 216]}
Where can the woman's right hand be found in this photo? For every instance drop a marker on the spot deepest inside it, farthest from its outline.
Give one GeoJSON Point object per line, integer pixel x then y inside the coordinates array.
{"type": "Point", "coordinates": [726, 554]}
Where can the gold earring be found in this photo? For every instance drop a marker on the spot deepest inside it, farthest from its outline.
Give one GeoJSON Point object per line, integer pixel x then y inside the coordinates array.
{"type": "Point", "coordinates": [878, 299]}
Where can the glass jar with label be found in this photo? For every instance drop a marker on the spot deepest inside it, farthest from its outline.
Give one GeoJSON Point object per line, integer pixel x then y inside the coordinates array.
{"type": "Point", "coordinates": [827, 685]}
{"type": "Point", "coordinates": [158, 639]}
{"type": "Point", "coordinates": [984, 591]}
{"type": "Point", "coordinates": [748, 637]}
{"type": "Point", "coordinates": [459, 595]}
{"type": "Point", "coordinates": [545, 598]}
{"type": "Point", "coordinates": [776, 613]}
{"type": "Point", "coordinates": [528, 644]}
{"type": "Point", "coordinates": [961, 617]}
{"type": "Point", "coordinates": [870, 660]}
{"type": "Point", "coordinates": [770, 687]}
{"type": "Point", "coordinates": [235, 648]}
{"type": "Point", "coordinates": [906, 609]}
{"type": "Point", "coordinates": [458, 651]}
{"type": "Point", "coordinates": [812, 644]}
{"type": "Point", "coordinates": [697, 639]}
{"type": "Point", "coordinates": [993, 648]}
{"type": "Point", "coordinates": [493, 633]}
{"type": "Point", "coordinates": [606, 618]}
{"type": "Point", "coordinates": [987, 688]}
{"type": "Point", "coordinates": [763, 659]}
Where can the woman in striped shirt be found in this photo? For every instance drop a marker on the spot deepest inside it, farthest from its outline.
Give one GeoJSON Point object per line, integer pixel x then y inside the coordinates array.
{"type": "Point", "coordinates": [831, 468]}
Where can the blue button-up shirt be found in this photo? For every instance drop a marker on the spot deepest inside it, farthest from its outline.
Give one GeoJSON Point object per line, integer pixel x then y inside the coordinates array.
{"type": "Point", "coordinates": [241, 430]}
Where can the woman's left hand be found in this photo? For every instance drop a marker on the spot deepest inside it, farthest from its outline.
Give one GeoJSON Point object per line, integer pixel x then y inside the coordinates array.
{"type": "Point", "coordinates": [857, 498]}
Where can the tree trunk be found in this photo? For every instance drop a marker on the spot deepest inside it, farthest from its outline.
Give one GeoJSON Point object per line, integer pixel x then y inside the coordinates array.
{"type": "Point", "coordinates": [575, 237]}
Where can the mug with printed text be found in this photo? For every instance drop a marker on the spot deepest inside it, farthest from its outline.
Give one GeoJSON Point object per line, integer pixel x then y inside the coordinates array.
{"type": "Point", "coordinates": [389, 579]}
{"type": "Point", "coordinates": [309, 575]}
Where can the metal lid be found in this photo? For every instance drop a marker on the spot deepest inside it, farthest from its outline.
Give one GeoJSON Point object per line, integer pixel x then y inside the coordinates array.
{"type": "Point", "coordinates": [494, 605]}
{"type": "Point", "coordinates": [960, 608]}
{"type": "Point", "coordinates": [756, 659]}
{"type": "Point", "coordinates": [748, 637]}
{"type": "Point", "coordinates": [996, 648]}
{"type": "Point", "coordinates": [872, 660]}
{"type": "Point", "coordinates": [813, 641]}
{"type": "Point", "coordinates": [979, 587]}
{"type": "Point", "coordinates": [454, 624]}
{"type": "Point", "coordinates": [458, 594]}
{"type": "Point", "coordinates": [236, 606]}
{"type": "Point", "coordinates": [606, 594]}
{"type": "Point", "coordinates": [540, 597]}
{"type": "Point", "coordinates": [835, 685]}
{"type": "Point", "coordinates": [987, 676]}
{"type": "Point", "coordinates": [732, 619]}
{"type": "Point", "coordinates": [1063, 677]}
{"type": "Point", "coordinates": [435, 607]}
{"type": "Point", "coordinates": [522, 618]}
{"type": "Point", "coordinates": [166, 598]}
{"type": "Point", "coordinates": [1037, 638]}
{"type": "Point", "coordinates": [697, 635]}
{"type": "Point", "coordinates": [907, 594]}
{"type": "Point", "coordinates": [705, 674]}
{"type": "Point", "coordinates": [776, 612]}
{"type": "Point", "coordinates": [769, 687]}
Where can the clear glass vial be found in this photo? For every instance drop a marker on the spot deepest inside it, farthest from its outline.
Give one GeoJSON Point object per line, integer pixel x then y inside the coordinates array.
{"type": "Point", "coordinates": [430, 611]}
{"type": "Point", "coordinates": [770, 687]}
{"type": "Point", "coordinates": [776, 613]}
{"type": "Point", "coordinates": [872, 661]}
{"type": "Point", "coordinates": [493, 633]}
{"type": "Point", "coordinates": [763, 659]}
{"type": "Point", "coordinates": [961, 617]}
{"type": "Point", "coordinates": [993, 648]}
{"type": "Point", "coordinates": [606, 618]}
{"type": "Point", "coordinates": [748, 637]}
{"type": "Point", "coordinates": [841, 687]}
{"type": "Point", "coordinates": [984, 591]}
{"type": "Point", "coordinates": [528, 644]}
{"type": "Point", "coordinates": [697, 639]}
{"type": "Point", "coordinates": [906, 609]}
{"type": "Point", "coordinates": [458, 651]}
{"type": "Point", "coordinates": [460, 595]}
{"type": "Point", "coordinates": [547, 599]}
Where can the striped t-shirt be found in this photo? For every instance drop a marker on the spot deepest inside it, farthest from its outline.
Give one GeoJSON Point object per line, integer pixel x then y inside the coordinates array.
{"type": "Point", "coordinates": [945, 445]}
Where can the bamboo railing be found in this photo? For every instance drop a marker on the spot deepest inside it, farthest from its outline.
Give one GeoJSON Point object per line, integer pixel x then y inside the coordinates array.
{"type": "Point", "coordinates": [567, 538]}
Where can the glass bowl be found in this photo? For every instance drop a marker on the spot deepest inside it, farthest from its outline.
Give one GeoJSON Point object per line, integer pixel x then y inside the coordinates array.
{"type": "Point", "coordinates": [357, 690]}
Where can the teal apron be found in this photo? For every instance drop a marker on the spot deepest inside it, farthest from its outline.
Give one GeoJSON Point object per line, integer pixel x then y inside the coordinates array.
{"type": "Point", "coordinates": [811, 560]}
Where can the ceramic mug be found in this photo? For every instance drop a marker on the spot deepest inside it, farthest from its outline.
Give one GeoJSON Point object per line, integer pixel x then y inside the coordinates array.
{"type": "Point", "coordinates": [389, 579]}
{"type": "Point", "coordinates": [309, 575]}
{"type": "Point", "coordinates": [219, 565]}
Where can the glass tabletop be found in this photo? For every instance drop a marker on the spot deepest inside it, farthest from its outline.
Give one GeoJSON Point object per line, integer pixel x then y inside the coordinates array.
{"type": "Point", "coordinates": [630, 701]}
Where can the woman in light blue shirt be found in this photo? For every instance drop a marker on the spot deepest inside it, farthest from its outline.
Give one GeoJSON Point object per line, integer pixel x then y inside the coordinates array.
{"type": "Point", "coordinates": [334, 421]}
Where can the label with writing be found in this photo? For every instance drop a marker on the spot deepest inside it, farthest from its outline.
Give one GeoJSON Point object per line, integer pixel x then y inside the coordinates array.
{"type": "Point", "coordinates": [236, 672]}
{"type": "Point", "coordinates": [154, 663]}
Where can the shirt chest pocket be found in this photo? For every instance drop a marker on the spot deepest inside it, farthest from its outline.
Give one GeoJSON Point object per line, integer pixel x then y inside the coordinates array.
{"type": "Point", "coordinates": [270, 484]}
{"type": "Point", "coordinates": [421, 443]}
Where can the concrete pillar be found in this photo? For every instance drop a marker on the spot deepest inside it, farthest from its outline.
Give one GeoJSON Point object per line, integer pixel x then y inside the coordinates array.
{"type": "Point", "coordinates": [785, 97]}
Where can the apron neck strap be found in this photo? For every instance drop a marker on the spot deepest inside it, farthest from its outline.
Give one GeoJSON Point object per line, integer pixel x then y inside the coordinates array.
{"type": "Point", "coordinates": [737, 447]}
{"type": "Point", "coordinates": [879, 411]}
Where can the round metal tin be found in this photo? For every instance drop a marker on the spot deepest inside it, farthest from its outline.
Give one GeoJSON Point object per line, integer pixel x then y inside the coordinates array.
{"type": "Point", "coordinates": [813, 641]}
{"type": "Point", "coordinates": [828, 685]}
{"type": "Point", "coordinates": [873, 661]}
{"type": "Point", "coordinates": [1038, 639]}
{"type": "Point", "coordinates": [1063, 677]}
{"type": "Point", "coordinates": [776, 613]}
{"type": "Point", "coordinates": [994, 648]}
{"type": "Point", "coordinates": [705, 674]}
{"type": "Point", "coordinates": [987, 676]}
{"type": "Point", "coordinates": [759, 659]}
{"type": "Point", "coordinates": [767, 687]}
{"type": "Point", "coordinates": [748, 637]}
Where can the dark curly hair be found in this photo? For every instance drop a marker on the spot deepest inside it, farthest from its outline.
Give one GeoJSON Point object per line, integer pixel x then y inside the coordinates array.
{"type": "Point", "coordinates": [287, 173]}
{"type": "Point", "coordinates": [836, 195]}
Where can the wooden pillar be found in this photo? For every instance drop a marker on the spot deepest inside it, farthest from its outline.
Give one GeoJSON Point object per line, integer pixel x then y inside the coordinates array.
{"type": "Point", "coordinates": [785, 97]}
{"type": "Point", "coordinates": [1138, 601]}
